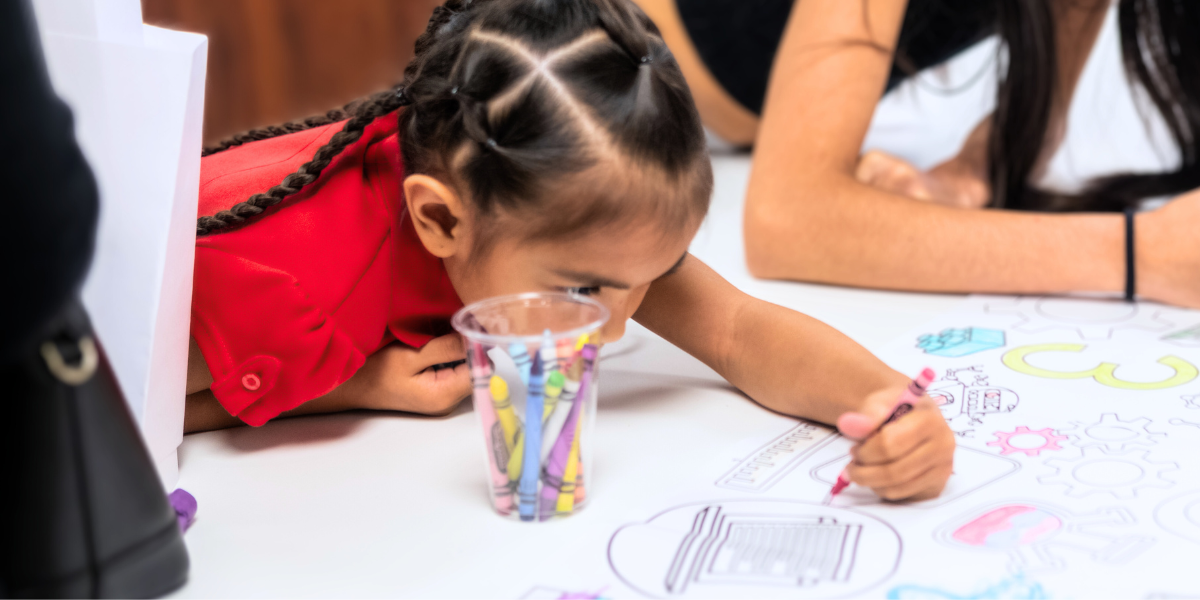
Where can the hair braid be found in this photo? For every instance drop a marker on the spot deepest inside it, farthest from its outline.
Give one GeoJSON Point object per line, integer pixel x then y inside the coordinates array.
{"type": "Point", "coordinates": [358, 115]}
{"type": "Point", "coordinates": [271, 131]}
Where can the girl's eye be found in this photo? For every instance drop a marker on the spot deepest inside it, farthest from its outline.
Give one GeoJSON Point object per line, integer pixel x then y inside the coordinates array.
{"type": "Point", "coordinates": [583, 291]}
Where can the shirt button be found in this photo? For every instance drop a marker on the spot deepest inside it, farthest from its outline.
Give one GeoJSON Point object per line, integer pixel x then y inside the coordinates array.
{"type": "Point", "coordinates": [251, 381]}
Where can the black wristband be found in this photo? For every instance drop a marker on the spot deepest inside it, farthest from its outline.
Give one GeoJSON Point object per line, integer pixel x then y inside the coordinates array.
{"type": "Point", "coordinates": [1130, 273]}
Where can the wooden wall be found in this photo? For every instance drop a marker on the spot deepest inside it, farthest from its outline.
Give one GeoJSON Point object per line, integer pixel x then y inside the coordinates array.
{"type": "Point", "coordinates": [271, 61]}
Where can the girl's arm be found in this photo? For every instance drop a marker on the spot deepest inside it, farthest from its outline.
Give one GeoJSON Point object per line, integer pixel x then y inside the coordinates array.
{"type": "Point", "coordinates": [395, 377]}
{"type": "Point", "coordinates": [808, 218]}
{"type": "Point", "coordinates": [797, 365]}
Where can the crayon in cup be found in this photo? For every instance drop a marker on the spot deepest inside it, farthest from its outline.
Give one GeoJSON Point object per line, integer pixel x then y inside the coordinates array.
{"type": "Point", "coordinates": [536, 425]}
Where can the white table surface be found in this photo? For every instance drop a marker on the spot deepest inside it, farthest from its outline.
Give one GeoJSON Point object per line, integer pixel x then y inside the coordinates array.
{"type": "Point", "coordinates": [375, 504]}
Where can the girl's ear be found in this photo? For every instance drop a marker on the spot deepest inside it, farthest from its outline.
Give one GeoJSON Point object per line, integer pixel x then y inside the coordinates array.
{"type": "Point", "coordinates": [438, 214]}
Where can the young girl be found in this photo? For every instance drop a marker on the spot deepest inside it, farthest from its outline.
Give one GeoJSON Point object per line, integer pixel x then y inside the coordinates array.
{"type": "Point", "coordinates": [534, 145]}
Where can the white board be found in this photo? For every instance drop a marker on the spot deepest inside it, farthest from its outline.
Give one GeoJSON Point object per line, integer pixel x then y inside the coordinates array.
{"type": "Point", "coordinates": [137, 93]}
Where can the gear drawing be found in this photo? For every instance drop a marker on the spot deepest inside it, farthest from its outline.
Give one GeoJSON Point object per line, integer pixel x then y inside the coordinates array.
{"type": "Point", "coordinates": [1090, 319]}
{"type": "Point", "coordinates": [1049, 441]}
{"type": "Point", "coordinates": [1099, 472]}
{"type": "Point", "coordinates": [1182, 423]}
{"type": "Point", "coordinates": [1113, 435]}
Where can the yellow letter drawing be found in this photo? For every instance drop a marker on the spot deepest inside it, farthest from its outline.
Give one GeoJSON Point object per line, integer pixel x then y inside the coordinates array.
{"type": "Point", "coordinates": [1103, 373]}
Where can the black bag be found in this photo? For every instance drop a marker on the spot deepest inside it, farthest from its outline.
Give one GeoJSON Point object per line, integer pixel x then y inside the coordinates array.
{"type": "Point", "coordinates": [82, 511]}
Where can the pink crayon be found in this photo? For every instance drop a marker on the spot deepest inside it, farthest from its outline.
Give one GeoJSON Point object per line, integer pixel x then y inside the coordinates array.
{"type": "Point", "coordinates": [560, 453]}
{"type": "Point", "coordinates": [481, 373]}
{"type": "Point", "coordinates": [904, 405]}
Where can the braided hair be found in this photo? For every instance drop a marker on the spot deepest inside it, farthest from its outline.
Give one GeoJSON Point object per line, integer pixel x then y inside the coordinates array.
{"type": "Point", "coordinates": [507, 99]}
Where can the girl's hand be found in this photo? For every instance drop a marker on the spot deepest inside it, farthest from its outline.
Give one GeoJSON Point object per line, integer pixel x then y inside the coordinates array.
{"type": "Point", "coordinates": [1168, 252]}
{"type": "Point", "coordinates": [398, 377]}
{"type": "Point", "coordinates": [952, 183]}
{"type": "Point", "coordinates": [908, 459]}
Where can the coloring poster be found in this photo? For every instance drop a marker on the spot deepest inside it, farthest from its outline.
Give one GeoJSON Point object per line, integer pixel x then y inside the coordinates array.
{"type": "Point", "coordinates": [1077, 475]}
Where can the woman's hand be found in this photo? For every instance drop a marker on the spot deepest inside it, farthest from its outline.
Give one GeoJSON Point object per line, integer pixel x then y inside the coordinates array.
{"type": "Point", "coordinates": [431, 380]}
{"type": "Point", "coordinates": [908, 459]}
{"type": "Point", "coordinates": [1168, 252]}
{"type": "Point", "coordinates": [952, 183]}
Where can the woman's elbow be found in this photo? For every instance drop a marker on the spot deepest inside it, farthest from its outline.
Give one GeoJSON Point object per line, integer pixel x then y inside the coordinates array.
{"type": "Point", "coordinates": [776, 239]}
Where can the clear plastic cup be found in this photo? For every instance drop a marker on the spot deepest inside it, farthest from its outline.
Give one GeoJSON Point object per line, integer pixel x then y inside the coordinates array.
{"type": "Point", "coordinates": [535, 353]}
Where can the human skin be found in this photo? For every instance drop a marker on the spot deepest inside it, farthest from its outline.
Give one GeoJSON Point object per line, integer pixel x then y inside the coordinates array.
{"type": "Point", "coordinates": [818, 211]}
{"type": "Point", "coordinates": [782, 359]}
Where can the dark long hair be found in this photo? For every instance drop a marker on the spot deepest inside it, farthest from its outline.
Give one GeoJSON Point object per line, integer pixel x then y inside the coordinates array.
{"type": "Point", "coordinates": [1160, 45]}
{"type": "Point", "coordinates": [507, 98]}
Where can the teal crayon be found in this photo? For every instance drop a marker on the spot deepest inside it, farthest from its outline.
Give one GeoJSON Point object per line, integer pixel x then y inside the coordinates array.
{"type": "Point", "coordinates": [521, 358]}
{"type": "Point", "coordinates": [527, 485]}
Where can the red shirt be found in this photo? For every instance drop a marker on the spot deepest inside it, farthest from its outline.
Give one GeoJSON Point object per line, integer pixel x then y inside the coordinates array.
{"type": "Point", "coordinates": [288, 307]}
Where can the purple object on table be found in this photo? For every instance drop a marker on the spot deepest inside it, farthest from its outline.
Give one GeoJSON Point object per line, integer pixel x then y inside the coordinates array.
{"type": "Point", "coordinates": [185, 508]}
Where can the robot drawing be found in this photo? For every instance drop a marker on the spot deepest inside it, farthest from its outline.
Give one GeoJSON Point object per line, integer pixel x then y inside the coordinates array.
{"type": "Point", "coordinates": [966, 398]}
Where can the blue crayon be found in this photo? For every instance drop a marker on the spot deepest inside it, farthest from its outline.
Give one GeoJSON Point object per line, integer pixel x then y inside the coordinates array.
{"type": "Point", "coordinates": [531, 470]}
{"type": "Point", "coordinates": [520, 356]}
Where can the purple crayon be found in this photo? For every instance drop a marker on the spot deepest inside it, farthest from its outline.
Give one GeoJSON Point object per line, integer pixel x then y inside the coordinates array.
{"type": "Point", "coordinates": [552, 477]}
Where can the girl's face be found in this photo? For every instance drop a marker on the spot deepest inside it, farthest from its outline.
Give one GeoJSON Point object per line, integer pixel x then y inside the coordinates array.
{"type": "Point", "coordinates": [613, 265]}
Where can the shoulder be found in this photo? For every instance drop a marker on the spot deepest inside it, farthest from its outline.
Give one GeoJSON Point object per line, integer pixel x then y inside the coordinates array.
{"type": "Point", "coordinates": [233, 175]}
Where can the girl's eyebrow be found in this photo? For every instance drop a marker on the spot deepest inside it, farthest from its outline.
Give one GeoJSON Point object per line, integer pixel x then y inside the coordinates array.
{"type": "Point", "coordinates": [598, 281]}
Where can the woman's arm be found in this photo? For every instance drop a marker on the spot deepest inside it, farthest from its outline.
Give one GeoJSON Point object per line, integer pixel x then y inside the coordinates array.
{"type": "Point", "coordinates": [797, 365]}
{"type": "Point", "coordinates": [808, 218]}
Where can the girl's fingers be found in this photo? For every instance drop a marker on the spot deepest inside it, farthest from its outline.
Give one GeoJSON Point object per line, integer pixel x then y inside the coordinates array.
{"type": "Point", "coordinates": [912, 466]}
{"type": "Point", "coordinates": [923, 487]}
{"type": "Point", "coordinates": [439, 350]}
{"type": "Point", "coordinates": [856, 426]}
{"type": "Point", "coordinates": [900, 437]}
{"type": "Point", "coordinates": [438, 391]}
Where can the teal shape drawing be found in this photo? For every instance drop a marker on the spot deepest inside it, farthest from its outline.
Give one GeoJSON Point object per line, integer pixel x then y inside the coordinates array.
{"type": "Point", "coordinates": [1013, 588]}
{"type": "Point", "coordinates": [954, 342]}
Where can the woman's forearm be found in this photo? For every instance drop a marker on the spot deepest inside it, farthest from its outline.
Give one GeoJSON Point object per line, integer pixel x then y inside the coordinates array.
{"type": "Point", "coordinates": [833, 229]}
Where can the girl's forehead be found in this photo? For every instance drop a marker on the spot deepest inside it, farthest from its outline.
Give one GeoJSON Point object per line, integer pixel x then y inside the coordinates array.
{"type": "Point", "coordinates": [632, 255]}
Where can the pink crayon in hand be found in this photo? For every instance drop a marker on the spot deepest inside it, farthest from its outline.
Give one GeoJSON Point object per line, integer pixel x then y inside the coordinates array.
{"type": "Point", "coordinates": [904, 405]}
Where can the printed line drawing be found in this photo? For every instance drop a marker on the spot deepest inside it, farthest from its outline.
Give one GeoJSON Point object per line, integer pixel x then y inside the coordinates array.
{"type": "Point", "coordinates": [965, 397]}
{"type": "Point", "coordinates": [763, 548]}
{"type": "Point", "coordinates": [954, 342]}
{"type": "Point", "coordinates": [1192, 401]}
{"type": "Point", "coordinates": [1014, 588]}
{"type": "Point", "coordinates": [973, 470]}
{"type": "Point", "coordinates": [1022, 440]}
{"type": "Point", "coordinates": [1099, 472]}
{"type": "Point", "coordinates": [1180, 515]}
{"type": "Point", "coordinates": [775, 459]}
{"type": "Point", "coordinates": [1182, 423]}
{"type": "Point", "coordinates": [1187, 338]}
{"type": "Point", "coordinates": [1034, 534]}
{"type": "Point", "coordinates": [1089, 319]}
{"type": "Point", "coordinates": [549, 593]}
{"type": "Point", "coordinates": [1112, 434]}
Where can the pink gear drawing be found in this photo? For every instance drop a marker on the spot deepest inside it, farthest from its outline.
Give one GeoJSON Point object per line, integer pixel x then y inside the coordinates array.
{"type": "Point", "coordinates": [1047, 434]}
